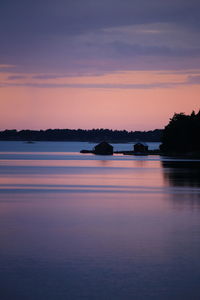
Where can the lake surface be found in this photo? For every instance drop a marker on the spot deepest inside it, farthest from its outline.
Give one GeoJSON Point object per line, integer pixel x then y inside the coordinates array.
{"type": "Point", "coordinates": [80, 226]}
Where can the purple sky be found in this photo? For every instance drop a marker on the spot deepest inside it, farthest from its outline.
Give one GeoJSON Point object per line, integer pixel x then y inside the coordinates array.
{"type": "Point", "coordinates": [72, 37]}
{"type": "Point", "coordinates": [53, 44]}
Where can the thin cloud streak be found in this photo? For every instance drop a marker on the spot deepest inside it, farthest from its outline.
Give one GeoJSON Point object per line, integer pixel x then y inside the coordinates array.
{"type": "Point", "coordinates": [117, 80]}
{"type": "Point", "coordinates": [191, 81]}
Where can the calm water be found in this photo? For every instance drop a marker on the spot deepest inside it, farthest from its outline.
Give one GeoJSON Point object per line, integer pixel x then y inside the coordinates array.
{"type": "Point", "coordinates": [79, 226]}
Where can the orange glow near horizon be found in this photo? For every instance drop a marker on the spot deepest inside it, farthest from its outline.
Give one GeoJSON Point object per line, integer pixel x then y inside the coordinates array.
{"type": "Point", "coordinates": [35, 107]}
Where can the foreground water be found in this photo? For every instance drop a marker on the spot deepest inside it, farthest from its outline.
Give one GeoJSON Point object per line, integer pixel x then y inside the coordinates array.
{"type": "Point", "coordinates": [78, 226]}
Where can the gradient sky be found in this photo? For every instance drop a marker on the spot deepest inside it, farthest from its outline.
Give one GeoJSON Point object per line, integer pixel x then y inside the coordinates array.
{"type": "Point", "coordinates": [120, 64]}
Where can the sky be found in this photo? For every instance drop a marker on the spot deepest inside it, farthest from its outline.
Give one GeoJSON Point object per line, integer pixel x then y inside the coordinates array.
{"type": "Point", "coordinates": [117, 64]}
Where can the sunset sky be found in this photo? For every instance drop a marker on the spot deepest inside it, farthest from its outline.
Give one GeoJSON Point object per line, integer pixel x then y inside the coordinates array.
{"type": "Point", "coordinates": [118, 64]}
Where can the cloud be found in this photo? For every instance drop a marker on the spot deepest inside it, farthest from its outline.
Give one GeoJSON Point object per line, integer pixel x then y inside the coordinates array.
{"type": "Point", "coordinates": [49, 76]}
{"type": "Point", "coordinates": [93, 86]}
{"type": "Point", "coordinates": [69, 37]}
{"type": "Point", "coordinates": [74, 17]}
{"type": "Point", "coordinates": [117, 80]}
{"type": "Point", "coordinates": [136, 49]}
{"type": "Point", "coordinates": [6, 66]}
{"type": "Point", "coordinates": [194, 79]}
{"type": "Point", "coordinates": [15, 77]}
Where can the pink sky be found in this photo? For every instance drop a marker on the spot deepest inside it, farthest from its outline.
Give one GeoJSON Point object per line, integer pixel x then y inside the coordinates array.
{"type": "Point", "coordinates": [139, 100]}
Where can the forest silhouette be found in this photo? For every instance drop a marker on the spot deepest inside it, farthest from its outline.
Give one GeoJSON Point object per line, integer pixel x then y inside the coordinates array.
{"type": "Point", "coordinates": [181, 135]}
{"type": "Point", "coordinates": [93, 135]}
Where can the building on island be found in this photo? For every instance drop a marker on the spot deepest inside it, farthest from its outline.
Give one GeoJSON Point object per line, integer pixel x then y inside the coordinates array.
{"type": "Point", "coordinates": [140, 148]}
{"type": "Point", "coordinates": [103, 149]}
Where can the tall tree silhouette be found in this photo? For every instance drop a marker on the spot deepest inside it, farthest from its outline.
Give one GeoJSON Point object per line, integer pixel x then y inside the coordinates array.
{"type": "Point", "coordinates": [182, 134]}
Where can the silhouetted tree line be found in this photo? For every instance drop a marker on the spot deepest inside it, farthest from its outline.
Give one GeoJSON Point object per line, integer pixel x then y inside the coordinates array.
{"type": "Point", "coordinates": [182, 134]}
{"type": "Point", "coordinates": [94, 135]}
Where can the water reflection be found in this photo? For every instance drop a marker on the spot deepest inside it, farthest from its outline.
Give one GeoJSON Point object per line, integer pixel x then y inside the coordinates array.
{"type": "Point", "coordinates": [184, 176]}
{"type": "Point", "coordinates": [93, 228]}
{"type": "Point", "coordinates": [182, 173]}
{"type": "Point", "coordinates": [78, 175]}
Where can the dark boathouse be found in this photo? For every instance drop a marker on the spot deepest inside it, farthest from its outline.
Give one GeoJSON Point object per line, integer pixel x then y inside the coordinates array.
{"type": "Point", "coordinates": [103, 149]}
{"type": "Point", "coordinates": [140, 148]}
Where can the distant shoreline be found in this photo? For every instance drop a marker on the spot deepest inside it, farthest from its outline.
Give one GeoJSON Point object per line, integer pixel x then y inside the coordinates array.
{"type": "Point", "coordinates": [81, 135]}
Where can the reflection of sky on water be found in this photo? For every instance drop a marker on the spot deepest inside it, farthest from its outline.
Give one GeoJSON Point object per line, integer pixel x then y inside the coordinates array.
{"type": "Point", "coordinates": [62, 146]}
{"type": "Point", "coordinates": [98, 175]}
{"type": "Point", "coordinates": [97, 229]}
